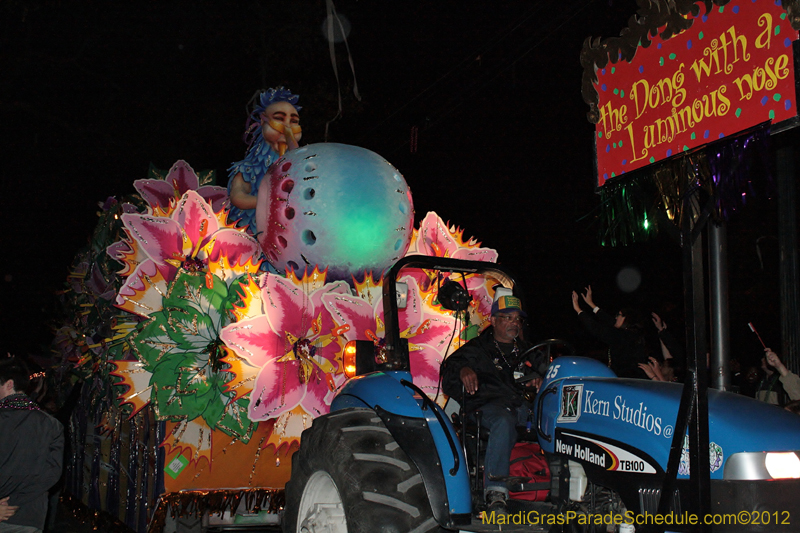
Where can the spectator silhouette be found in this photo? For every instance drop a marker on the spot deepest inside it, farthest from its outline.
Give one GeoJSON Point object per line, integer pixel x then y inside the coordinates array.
{"type": "Point", "coordinates": [779, 384]}
{"type": "Point", "coordinates": [671, 349]}
{"type": "Point", "coordinates": [752, 378]}
{"type": "Point", "coordinates": [623, 333]}
{"type": "Point", "coordinates": [31, 452]}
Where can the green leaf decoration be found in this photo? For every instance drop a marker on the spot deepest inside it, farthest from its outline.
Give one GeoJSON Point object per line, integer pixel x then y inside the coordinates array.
{"type": "Point", "coordinates": [180, 346]}
{"type": "Point", "coordinates": [155, 173]}
{"type": "Point", "coordinates": [207, 177]}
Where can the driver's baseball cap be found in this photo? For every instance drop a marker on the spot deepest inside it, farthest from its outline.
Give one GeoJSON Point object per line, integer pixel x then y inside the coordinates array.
{"type": "Point", "coordinates": [507, 304]}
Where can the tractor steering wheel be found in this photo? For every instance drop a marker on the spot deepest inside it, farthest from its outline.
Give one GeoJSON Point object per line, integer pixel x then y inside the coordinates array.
{"type": "Point", "coordinates": [548, 348]}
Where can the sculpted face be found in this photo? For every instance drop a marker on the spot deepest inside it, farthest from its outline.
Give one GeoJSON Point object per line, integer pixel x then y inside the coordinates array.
{"type": "Point", "coordinates": [280, 126]}
{"type": "Point", "coordinates": [507, 326]}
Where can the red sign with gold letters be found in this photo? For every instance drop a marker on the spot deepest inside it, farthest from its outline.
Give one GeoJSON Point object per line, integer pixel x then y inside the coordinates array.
{"type": "Point", "coordinates": [732, 69]}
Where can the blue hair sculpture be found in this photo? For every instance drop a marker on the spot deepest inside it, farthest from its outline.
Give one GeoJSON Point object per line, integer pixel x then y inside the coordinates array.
{"type": "Point", "coordinates": [260, 154]}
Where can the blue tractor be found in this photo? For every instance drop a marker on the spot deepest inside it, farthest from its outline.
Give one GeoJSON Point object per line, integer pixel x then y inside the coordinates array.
{"type": "Point", "coordinates": [388, 459]}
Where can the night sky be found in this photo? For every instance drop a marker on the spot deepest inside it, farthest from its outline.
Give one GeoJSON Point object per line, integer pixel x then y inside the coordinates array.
{"type": "Point", "coordinates": [92, 93]}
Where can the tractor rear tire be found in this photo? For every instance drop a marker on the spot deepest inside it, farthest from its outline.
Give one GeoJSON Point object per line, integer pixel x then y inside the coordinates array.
{"type": "Point", "coordinates": [350, 476]}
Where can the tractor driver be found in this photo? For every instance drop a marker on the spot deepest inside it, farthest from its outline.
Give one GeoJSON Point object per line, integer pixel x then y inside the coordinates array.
{"type": "Point", "coordinates": [481, 376]}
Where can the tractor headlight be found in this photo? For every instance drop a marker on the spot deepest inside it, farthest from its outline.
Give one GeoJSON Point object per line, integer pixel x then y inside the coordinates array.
{"type": "Point", "coordinates": [785, 465]}
{"type": "Point", "coordinates": [349, 359]}
{"type": "Point", "coordinates": [762, 465]}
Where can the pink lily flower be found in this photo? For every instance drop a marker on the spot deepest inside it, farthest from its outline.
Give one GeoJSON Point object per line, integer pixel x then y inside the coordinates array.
{"type": "Point", "coordinates": [162, 195]}
{"type": "Point", "coordinates": [191, 236]}
{"type": "Point", "coordinates": [294, 344]}
{"type": "Point", "coordinates": [428, 331]}
{"type": "Point", "coordinates": [435, 237]}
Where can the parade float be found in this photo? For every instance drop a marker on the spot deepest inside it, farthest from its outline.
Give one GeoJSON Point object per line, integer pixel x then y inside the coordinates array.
{"type": "Point", "coordinates": [200, 339]}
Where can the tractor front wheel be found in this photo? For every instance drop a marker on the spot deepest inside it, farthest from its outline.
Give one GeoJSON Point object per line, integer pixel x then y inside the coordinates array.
{"type": "Point", "coordinates": [350, 476]}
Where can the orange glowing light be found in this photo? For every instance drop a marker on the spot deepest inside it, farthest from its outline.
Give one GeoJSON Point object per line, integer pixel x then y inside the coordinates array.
{"type": "Point", "coordinates": [349, 359]}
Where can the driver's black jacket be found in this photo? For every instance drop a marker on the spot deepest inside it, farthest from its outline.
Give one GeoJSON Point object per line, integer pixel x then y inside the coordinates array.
{"type": "Point", "coordinates": [494, 385]}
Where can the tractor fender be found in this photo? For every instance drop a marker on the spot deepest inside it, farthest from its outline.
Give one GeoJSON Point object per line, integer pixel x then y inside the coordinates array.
{"type": "Point", "coordinates": [414, 420]}
{"type": "Point", "coordinates": [378, 388]}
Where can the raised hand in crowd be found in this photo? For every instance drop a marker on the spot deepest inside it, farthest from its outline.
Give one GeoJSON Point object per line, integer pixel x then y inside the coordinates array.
{"type": "Point", "coordinates": [775, 362]}
{"type": "Point", "coordinates": [660, 324]}
{"type": "Point", "coordinates": [653, 369]}
{"type": "Point", "coordinates": [587, 297]}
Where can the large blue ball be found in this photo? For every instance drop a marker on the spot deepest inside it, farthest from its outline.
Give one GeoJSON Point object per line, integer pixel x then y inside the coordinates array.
{"type": "Point", "coordinates": [334, 206]}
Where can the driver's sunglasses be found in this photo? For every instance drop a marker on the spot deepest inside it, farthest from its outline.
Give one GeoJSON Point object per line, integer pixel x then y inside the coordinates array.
{"type": "Point", "coordinates": [510, 318]}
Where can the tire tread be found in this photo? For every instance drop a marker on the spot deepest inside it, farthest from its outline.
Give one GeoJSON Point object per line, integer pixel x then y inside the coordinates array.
{"type": "Point", "coordinates": [380, 487]}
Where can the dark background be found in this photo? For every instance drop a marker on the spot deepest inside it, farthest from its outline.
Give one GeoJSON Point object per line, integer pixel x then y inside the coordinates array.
{"type": "Point", "coordinates": [93, 92]}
